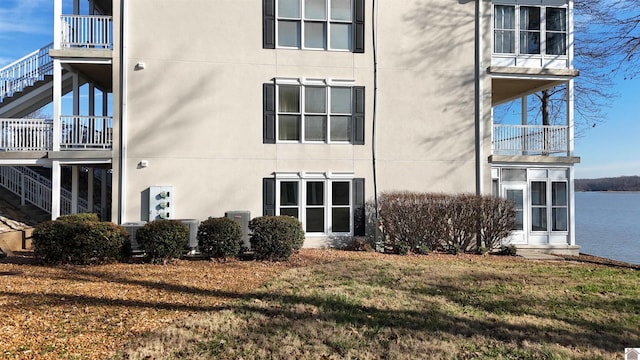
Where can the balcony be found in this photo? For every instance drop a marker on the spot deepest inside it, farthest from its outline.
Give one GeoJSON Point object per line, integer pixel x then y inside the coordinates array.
{"type": "Point", "coordinates": [77, 133]}
{"type": "Point", "coordinates": [531, 140]}
{"type": "Point", "coordinates": [87, 31]}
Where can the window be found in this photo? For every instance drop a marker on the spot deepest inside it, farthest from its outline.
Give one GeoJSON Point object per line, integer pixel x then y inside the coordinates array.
{"type": "Point", "coordinates": [314, 24]}
{"type": "Point", "coordinates": [540, 210]}
{"type": "Point", "coordinates": [313, 113]}
{"type": "Point", "coordinates": [541, 30]}
{"type": "Point", "coordinates": [324, 203]}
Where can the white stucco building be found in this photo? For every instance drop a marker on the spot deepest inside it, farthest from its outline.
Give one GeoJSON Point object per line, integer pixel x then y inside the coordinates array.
{"type": "Point", "coordinates": [298, 107]}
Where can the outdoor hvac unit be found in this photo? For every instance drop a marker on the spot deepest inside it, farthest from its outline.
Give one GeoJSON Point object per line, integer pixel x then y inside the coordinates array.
{"type": "Point", "coordinates": [132, 228]}
{"type": "Point", "coordinates": [242, 217]}
{"type": "Point", "coordinates": [193, 232]}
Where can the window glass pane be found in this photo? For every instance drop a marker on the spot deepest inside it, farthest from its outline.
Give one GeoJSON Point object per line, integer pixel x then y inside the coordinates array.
{"type": "Point", "coordinates": [559, 219]}
{"type": "Point", "coordinates": [517, 197]}
{"type": "Point", "coordinates": [340, 220]}
{"type": "Point", "coordinates": [529, 42]}
{"type": "Point", "coordinates": [341, 100]}
{"type": "Point", "coordinates": [559, 194]}
{"type": "Point", "coordinates": [539, 219]}
{"type": "Point", "coordinates": [556, 44]}
{"type": "Point", "coordinates": [289, 8]}
{"type": "Point", "coordinates": [315, 220]}
{"type": "Point", "coordinates": [340, 193]}
{"type": "Point", "coordinates": [340, 36]}
{"type": "Point", "coordinates": [538, 193]}
{"type": "Point", "coordinates": [556, 19]}
{"type": "Point", "coordinates": [289, 99]}
{"type": "Point", "coordinates": [288, 193]}
{"type": "Point", "coordinates": [289, 33]}
{"type": "Point", "coordinates": [288, 127]}
{"type": "Point", "coordinates": [314, 35]}
{"type": "Point", "coordinates": [289, 211]}
{"type": "Point", "coordinates": [504, 17]}
{"type": "Point", "coordinates": [504, 41]}
{"type": "Point", "coordinates": [315, 99]}
{"type": "Point", "coordinates": [315, 9]}
{"type": "Point", "coordinates": [340, 128]}
{"type": "Point", "coordinates": [315, 128]}
{"type": "Point", "coordinates": [341, 10]}
{"type": "Point", "coordinates": [529, 18]}
{"type": "Point", "coordinates": [315, 193]}
{"type": "Point", "coordinates": [514, 175]}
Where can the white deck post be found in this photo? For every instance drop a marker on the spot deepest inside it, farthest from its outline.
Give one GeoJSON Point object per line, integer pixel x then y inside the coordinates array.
{"type": "Point", "coordinates": [55, 189]}
{"type": "Point", "coordinates": [90, 190]}
{"type": "Point", "coordinates": [103, 193]}
{"type": "Point", "coordinates": [74, 188]}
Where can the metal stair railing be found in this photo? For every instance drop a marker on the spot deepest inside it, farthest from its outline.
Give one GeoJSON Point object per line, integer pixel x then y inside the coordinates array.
{"type": "Point", "coordinates": [25, 72]}
{"type": "Point", "coordinates": [36, 189]}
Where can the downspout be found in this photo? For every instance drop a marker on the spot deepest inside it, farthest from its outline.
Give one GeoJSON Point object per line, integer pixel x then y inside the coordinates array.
{"type": "Point", "coordinates": [374, 19]}
{"type": "Point", "coordinates": [123, 115]}
{"type": "Point", "coordinates": [479, 116]}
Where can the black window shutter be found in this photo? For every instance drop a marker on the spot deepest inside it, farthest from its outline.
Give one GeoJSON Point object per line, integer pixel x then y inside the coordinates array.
{"type": "Point", "coordinates": [269, 113]}
{"type": "Point", "coordinates": [358, 26]}
{"type": "Point", "coordinates": [269, 24]}
{"type": "Point", "coordinates": [269, 197]}
{"type": "Point", "coordinates": [359, 219]}
{"type": "Point", "coordinates": [358, 115]}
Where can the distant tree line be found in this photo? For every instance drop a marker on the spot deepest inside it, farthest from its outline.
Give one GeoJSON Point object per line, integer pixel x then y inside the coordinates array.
{"type": "Point", "coordinates": [622, 183]}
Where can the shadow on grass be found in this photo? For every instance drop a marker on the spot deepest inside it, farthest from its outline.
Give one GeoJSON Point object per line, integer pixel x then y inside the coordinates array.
{"type": "Point", "coordinates": [496, 317]}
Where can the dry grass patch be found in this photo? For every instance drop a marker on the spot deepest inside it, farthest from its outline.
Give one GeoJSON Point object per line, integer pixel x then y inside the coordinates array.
{"type": "Point", "coordinates": [372, 306]}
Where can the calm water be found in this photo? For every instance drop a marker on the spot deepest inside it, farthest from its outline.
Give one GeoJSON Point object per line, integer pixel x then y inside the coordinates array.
{"type": "Point", "coordinates": [608, 224]}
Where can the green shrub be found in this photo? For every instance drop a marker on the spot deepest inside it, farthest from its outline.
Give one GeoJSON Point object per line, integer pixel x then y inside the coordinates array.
{"type": "Point", "coordinates": [78, 241]}
{"type": "Point", "coordinates": [219, 237]}
{"type": "Point", "coordinates": [163, 240]}
{"type": "Point", "coordinates": [507, 250]}
{"type": "Point", "coordinates": [82, 217]}
{"type": "Point", "coordinates": [275, 237]}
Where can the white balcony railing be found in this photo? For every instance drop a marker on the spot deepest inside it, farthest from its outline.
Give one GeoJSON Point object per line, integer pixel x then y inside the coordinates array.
{"type": "Point", "coordinates": [530, 140]}
{"type": "Point", "coordinates": [26, 134]}
{"type": "Point", "coordinates": [87, 31]}
{"type": "Point", "coordinates": [86, 132]}
{"type": "Point", "coordinates": [77, 133]}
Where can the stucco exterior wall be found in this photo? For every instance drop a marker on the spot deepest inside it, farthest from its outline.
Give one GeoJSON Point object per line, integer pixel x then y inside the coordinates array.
{"type": "Point", "coordinates": [195, 111]}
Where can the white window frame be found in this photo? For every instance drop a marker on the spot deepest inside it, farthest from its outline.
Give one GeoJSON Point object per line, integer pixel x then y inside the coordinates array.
{"type": "Point", "coordinates": [303, 83]}
{"type": "Point", "coordinates": [302, 178]}
{"type": "Point", "coordinates": [328, 23]}
{"type": "Point", "coordinates": [543, 29]}
{"type": "Point", "coordinates": [549, 206]}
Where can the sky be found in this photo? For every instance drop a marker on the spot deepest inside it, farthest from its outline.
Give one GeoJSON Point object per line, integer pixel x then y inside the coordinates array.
{"type": "Point", "coordinates": [610, 149]}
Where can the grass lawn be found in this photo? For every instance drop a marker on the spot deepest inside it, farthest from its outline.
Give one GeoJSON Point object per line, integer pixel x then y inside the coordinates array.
{"type": "Point", "coordinates": [322, 305]}
{"type": "Point", "coordinates": [372, 306]}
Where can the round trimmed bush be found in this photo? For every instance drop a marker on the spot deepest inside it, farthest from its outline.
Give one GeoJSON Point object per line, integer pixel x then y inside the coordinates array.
{"type": "Point", "coordinates": [163, 240]}
{"type": "Point", "coordinates": [72, 241]}
{"type": "Point", "coordinates": [275, 237]}
{"type": "Point", "coordinates": [219, 237]}
{"type": "Point", "coordinates": [81, 217]}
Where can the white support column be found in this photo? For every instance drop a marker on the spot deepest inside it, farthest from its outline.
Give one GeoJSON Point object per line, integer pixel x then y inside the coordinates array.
{"type": "Point", "coordinates": [57, 79]}
{"type": "Point", "coordinates": [103, 193]}
{"type": "Point", "coordinates": [570, 117]}
{"type": "Point", "coordinates": [524, 119]}
{"type": "Point", "coordinates": [90, 175]}
{"type": "Point", "coordinates": [572, 207]}
{"type": "Point", "coordinates": [74, 188]}
{"type": "Point", "coordinates": [55, 189]}
{"type": "Point", "coordinates": [76, 94]}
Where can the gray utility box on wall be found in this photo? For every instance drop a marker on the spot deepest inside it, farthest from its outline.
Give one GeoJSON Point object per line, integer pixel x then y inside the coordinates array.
{"type": "Point", "coordinates": [242, 217]}
{"type": "Point", "coordinates": [160, 202]}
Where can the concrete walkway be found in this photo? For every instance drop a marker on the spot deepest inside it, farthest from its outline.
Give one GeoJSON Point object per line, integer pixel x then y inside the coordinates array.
{"type": "Point", "coordinates": [537, 255]}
